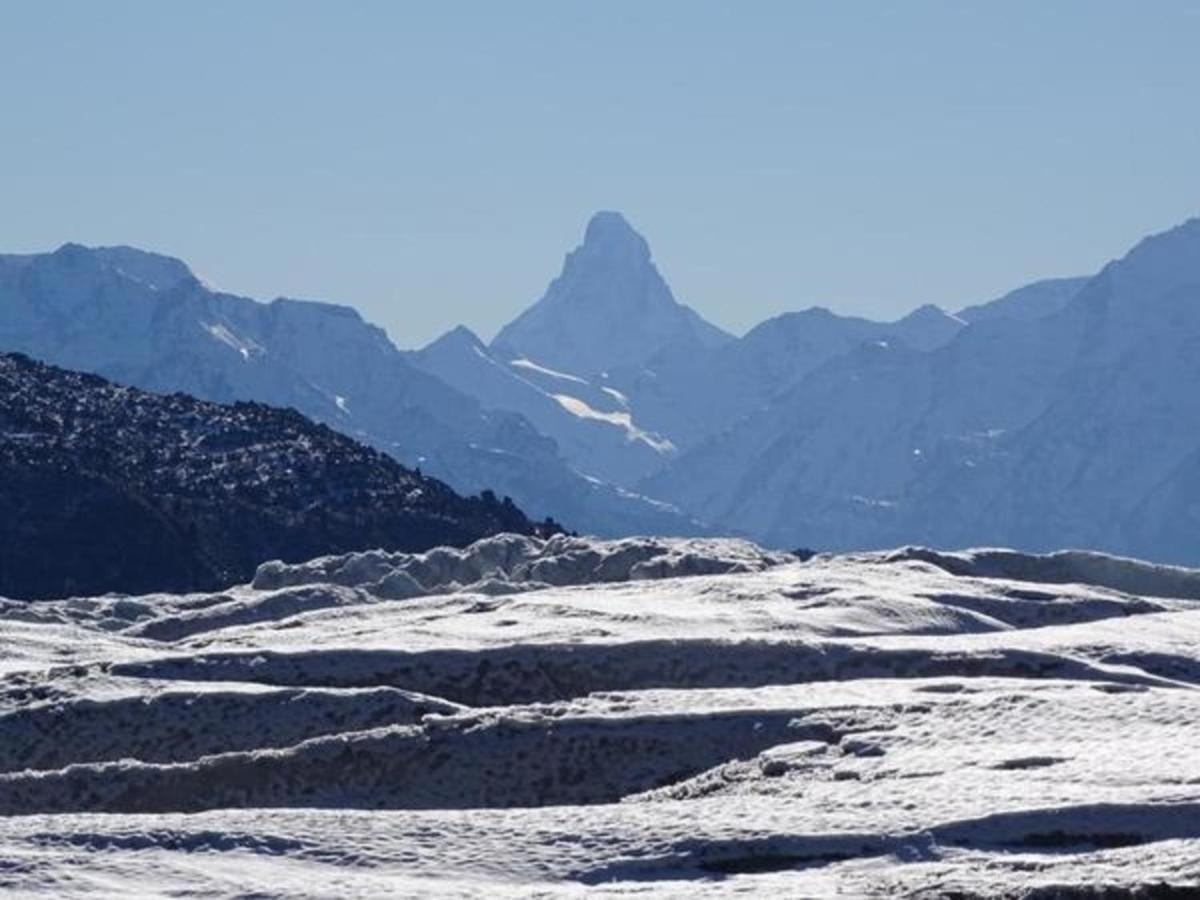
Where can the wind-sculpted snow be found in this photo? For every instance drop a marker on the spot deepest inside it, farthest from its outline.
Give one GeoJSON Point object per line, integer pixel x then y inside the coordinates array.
{"type": "Point", "coordinates": [647, 716]}
{"type": "Point", "coordinates": [1132, 575]}
{"type": "Point", "coordinates": [515, 562]}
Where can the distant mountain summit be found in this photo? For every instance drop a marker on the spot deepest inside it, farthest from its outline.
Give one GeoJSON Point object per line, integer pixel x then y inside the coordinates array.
{"type": "Point", "coordinates": [107, 488]}
{"type": "Point", "coordinates": [609, 235]}
{"type": "Point", "coordinates": [609, 309]}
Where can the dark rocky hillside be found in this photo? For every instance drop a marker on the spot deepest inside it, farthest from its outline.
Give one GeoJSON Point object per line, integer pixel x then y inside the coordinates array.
{"type": "Point", "coordinates": [108, 488]}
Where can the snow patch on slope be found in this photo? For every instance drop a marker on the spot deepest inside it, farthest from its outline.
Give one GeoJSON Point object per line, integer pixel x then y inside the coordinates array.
{"type": "Point", "coordinates": [1105, 570]}
{"type": "Point", "coordinates": [223, 333]}
{"type": "Point", "coordinates": [622, 420]}
{"type": "Point", "coordinates": [616, 395]}
{"type": "Point", "coordinates": [529, 364]}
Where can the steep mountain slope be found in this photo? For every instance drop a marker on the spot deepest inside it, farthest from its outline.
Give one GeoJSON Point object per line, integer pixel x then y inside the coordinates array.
{"type": "Point", "coordinates": [610, 308]}
{"type": "Point", "coordinates": [696, 396]}
{"type": "Point", "coordinates": [144, 320]}
{"type": "Point", "coordinates": [592, 428]}
{"type": "Point", "coordinates": [110, 488]}
{"type": "Point", "coordinates": [1033, 301]}
{"type": "Point", "coordinates": [1077, 429]}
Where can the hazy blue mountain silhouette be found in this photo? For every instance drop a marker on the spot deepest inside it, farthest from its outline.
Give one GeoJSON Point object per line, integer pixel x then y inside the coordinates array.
{"type": "Point", "coordinates": [1064, 412]}
{"type": "Point", "coordinates": [1079, 428]}
{"type": "Point", "coordinates": [608, 309]}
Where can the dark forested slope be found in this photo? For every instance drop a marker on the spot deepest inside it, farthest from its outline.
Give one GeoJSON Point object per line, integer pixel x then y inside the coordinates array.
{"type": "Point", "coordinates": [108, 488]}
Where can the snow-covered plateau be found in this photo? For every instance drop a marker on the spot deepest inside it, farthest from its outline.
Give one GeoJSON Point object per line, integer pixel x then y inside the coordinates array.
{"type": "Point", "coordinates": [643, 717]}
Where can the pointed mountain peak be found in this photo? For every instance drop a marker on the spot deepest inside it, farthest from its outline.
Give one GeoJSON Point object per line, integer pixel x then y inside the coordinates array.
{"type": "Point", "coordinates": [609, 234]}
{"type": "Point", "coordinates": [460, 337]}
{"type": "Point", "coordinates": [609, 308]}
{"type": "Point", "coordinates": [926, 327]}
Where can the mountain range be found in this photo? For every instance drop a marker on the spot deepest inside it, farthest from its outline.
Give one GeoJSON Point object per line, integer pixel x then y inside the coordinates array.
{"type": "Point", "coordinates": [1063, 413]}
{"type": "Point", "coordinates": [1077, 428]}
{"type": "Point", "coordinates": [145, 320]}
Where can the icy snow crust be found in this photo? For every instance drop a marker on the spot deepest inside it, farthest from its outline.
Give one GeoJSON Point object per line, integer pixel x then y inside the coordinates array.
{"type": "Point", "coordinates": [644, 717]}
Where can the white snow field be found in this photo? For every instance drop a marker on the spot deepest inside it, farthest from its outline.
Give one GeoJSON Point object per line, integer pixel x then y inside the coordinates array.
{"type": "Point", "coordinates": [644, 717]}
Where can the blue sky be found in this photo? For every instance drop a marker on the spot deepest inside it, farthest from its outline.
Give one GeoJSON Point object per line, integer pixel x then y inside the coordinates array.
{"type": "Point", "coordinates": [430, 163]}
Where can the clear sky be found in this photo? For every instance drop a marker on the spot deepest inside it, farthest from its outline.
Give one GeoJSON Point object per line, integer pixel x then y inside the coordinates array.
{"type": "Point", "coordinates": [430, 163]}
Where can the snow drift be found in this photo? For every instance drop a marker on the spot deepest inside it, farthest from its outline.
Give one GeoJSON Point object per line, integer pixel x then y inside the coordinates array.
{"type": "Point", "coordinates": [647, 715]}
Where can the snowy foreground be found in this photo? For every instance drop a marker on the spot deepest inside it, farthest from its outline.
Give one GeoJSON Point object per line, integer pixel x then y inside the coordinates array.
{"type": "Point", "coordinates": [641, 717]}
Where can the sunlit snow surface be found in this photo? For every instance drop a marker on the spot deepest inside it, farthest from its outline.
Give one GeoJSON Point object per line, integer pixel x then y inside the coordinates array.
{"type": "Point", "coordinates": [641, 717]}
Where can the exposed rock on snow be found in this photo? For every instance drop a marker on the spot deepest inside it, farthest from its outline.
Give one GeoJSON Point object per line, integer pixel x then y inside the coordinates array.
{"type": "Point", "coordinates": [658, 717]}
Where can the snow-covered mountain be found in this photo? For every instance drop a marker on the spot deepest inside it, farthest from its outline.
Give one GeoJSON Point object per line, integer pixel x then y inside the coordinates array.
{"type": "Point", "coordinates": [1079, 428]}
{"type": "Point", "coordinates": [592, 425]}
{"type": "Point", "coordinates": [608, 309]}
{"type": "Point", "coordinates": [606, 325]}
{"type": "Point", "coordinates": [143, 319]}
{"type": "Point", "coordinates": [651, 718]}
{"type": "Point", "coordinates": [695, 396]}
{"type": "Point", "coordinates": [623, 376]}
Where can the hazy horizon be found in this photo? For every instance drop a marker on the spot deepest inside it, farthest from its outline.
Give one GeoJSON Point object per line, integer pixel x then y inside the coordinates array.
{"type": "Point", "coordinates": [432, 167]}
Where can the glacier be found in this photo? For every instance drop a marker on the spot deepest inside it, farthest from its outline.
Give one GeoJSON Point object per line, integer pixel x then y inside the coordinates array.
{"type": "Point", "coordinates": [638, 717]}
